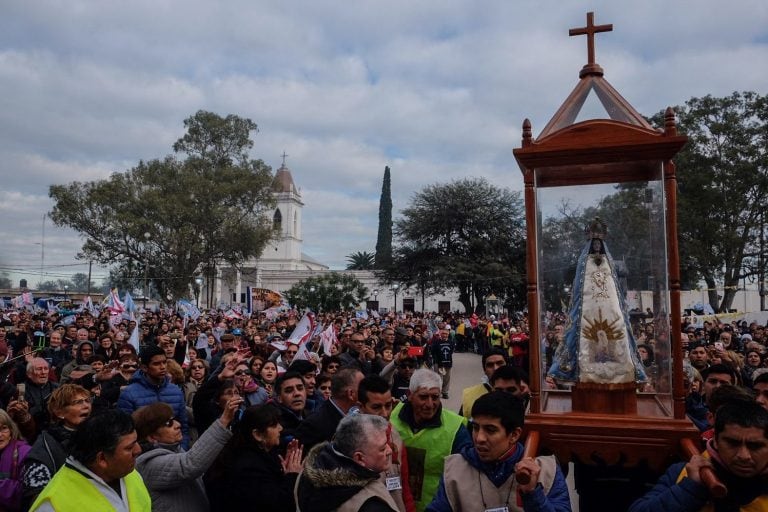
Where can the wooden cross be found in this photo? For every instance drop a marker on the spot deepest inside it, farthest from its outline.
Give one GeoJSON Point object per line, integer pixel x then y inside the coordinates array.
{"type": "Point", "coordinates": [590, 30]}
{"type": "Point", "coordinates": [284, 155]}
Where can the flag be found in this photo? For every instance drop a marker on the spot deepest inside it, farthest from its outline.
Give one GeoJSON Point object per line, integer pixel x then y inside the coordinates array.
{"type": "Point", "coordinates": [361, 314]}
{"type": "Point", "coordinates": [303, 331]}
{"type": "Point", "coordinates": [128, 303]}
{"type": "Point", "coordinates": [327, 339]}
{"type": "Point", "coordinates": [134, 339]}
{"type": "Point", "coordinates": [113, 302]}
{"type": "Point", "coordinates": [188, 309]}
{"type": "Point", "coordinates": [88, 305]}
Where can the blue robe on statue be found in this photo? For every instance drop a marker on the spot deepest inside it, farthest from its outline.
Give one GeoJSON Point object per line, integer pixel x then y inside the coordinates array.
{"type": "Point", "coordinates": [598, 345]}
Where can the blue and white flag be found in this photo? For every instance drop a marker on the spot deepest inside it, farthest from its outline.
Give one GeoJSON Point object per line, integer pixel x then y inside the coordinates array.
{"type": "Point", "coordinates": [128, 303]}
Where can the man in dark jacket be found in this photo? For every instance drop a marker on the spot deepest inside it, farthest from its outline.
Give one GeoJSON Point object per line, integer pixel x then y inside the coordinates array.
{"type": "Point", "coordinates": [738, 455]}
{"type": "Point", "coordinates": [344, 475]}
{"type": "Point", "coordinates": [321, 425]}
{"type": "Point", "coordinates": [442, 356]}
{"type": "Point", "coordinates": [38, 391]}
{"type": "Point", "coordinates": [151, 384]}
{"type": "Point", "coordinates": [292, 402]}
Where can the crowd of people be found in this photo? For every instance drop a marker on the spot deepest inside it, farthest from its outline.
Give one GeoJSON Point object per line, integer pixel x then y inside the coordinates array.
{"type": "Point", "coordinates": [223, 413]}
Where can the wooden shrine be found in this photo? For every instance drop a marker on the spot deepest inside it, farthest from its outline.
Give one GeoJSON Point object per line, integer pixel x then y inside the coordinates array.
{"type": "Point", "coordinates": [595, 142]}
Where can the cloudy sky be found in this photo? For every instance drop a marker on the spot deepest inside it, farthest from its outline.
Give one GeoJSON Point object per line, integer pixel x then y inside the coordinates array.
{"type": "Point", "coordinates": [437, 90]}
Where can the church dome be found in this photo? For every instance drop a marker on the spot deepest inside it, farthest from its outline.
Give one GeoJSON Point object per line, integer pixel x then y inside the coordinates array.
{"type": "Point", "coordinates": [283, 181]}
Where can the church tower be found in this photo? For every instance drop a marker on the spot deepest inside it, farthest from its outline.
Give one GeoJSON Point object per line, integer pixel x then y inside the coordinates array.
{"type": "Point", "coordinates": [285, 252]}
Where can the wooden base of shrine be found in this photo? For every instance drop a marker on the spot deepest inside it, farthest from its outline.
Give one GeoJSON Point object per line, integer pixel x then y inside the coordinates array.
{"type": "Point", "coordinates": [596, 398]}
{"type": "Point", "coordinates": [612, 439]}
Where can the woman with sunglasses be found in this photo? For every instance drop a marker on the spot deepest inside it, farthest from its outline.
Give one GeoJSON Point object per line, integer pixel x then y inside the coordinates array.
{"type": "Point", "coordinates": [250, 389]}
{"type": "Point", "coordinates": [174, 478]}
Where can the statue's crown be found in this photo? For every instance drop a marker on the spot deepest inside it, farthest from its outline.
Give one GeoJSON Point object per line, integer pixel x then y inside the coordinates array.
{"type": "Point", "coordinates": [596, 229]}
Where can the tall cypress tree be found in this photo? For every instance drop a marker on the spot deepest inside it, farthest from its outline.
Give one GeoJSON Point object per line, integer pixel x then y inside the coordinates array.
{"type": "Point", "coordinates": [384, 240]}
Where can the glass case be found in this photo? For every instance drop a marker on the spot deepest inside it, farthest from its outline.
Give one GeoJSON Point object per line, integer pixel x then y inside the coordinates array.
{"type": "Point", "coordinates": [606, 323]}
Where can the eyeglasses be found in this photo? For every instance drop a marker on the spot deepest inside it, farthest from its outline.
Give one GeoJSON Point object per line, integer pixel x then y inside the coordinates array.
{"type": "Point", "coordinates": [408, 366]}
{"type": "Point", "coordinates": [198, 367]}
{"type": "Point", "coordinates": [169, 423]}
{"type": "Point", "coordinates": [291, 352]}
{"type": "Point", "coordinates": [82, 401]}
{"type": "Point", "coordinates": [240, 373]}
{"type": "Point", "coordinates": [325, 388]}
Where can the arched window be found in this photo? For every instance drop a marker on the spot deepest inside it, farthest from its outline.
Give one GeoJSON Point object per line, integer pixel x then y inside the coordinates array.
{"type": "Point", "coordinates": [295, 224]}
{"type": "Point", "coordinates": [277, 221]}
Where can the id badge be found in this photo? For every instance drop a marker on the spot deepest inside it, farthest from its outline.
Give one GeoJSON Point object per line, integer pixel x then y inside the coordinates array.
{"type": "Point", "coordinates": [393, 484]}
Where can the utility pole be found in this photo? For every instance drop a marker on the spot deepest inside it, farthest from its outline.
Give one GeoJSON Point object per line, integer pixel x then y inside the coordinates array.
{"type": "Point", "coordinates": [90, 265]}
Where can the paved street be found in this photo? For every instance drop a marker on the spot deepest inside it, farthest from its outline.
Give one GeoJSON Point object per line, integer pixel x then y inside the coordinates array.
{"type": "Point", "coordinates": [466, 372]}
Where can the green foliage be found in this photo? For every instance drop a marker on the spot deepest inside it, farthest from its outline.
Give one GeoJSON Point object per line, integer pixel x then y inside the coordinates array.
{"type": "Point", "coordinates": [467, 234]}
{"type": "Point", "coordinates": [5, 281]}
{"type": "Point", "coordinates": [722, 178]}
{"type": "Point", "coordinates": [209, 208]}
{"type": "Point", "coordinates": [59, 285]}
{"type": "Point", "coordinates": [384, 239]}
{"type": "Point", "coordinates": [361, 261]}
{"type": "Point", "coordinates": [80, 282]}
{"type": "Point", "coordinates": [328, 292]}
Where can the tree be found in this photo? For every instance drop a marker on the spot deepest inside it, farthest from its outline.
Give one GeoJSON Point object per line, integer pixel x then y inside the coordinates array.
{"type": "Point", "coordinates": [174, 219]}
{"type": "Point", "coordinates": [5, 281]}
{"type": "Point", "coordinates": [58, 285]}
{"type": "Point", "coordinates": [361, 261]}
{"type": "Point", "coordinates": [329, 292]}
{"type": "Point", "coordinates": [467, 234]}
{"type": "Point", "coordinates": [80, 283]}
{"type": "Point", "coordinates": [722, 183]}
{"type": "Point", "coordinates": [384, 239]}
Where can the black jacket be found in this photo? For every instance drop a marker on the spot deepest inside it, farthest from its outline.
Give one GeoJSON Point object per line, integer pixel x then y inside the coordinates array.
{"type": "Point", "coordinates": [319, 426]}
{"type": "Point", "coordinates": [252, 479]}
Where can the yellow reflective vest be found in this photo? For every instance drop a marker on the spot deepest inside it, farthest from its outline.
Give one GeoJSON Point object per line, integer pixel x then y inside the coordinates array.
{"type": "Point", "coordinates": [69, 490]}
{"type": "Point", "coordinates": [427, 450]}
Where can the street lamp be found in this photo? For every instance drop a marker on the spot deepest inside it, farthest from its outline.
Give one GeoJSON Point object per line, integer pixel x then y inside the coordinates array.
{"type": "Point", "coordinates": [146, 268]}
{"type": "Point", "coordinates": [199, 281]}
{"type": "Point", "coordinates": [394, 289]}
{"type": "Point", "coordinates": [66, 288]}
{"type": "Point", "coordinates": [376, 297]}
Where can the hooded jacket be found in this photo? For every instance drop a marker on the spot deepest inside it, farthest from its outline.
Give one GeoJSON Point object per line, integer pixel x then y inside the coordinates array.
{"type": "Point", "coordinates": [174, 478]}
{"type": "Point", "coordinates": [330, 480]}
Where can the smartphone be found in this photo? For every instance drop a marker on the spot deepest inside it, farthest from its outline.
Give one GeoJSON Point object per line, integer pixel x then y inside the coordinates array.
{"type": "Point", "coordinates": [21, 390]}
{"type": "Point", "coordinates": [415, 351]}
{"type": "Point", "coordinates": [719, 346]}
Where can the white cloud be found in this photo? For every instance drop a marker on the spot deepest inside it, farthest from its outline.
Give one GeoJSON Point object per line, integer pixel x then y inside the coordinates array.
{"type": "Point", "coordinates": [437, 90]}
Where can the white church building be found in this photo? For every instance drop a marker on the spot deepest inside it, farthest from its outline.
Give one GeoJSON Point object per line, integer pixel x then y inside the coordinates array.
{"type": "Point", "coordinates": [282, 264]}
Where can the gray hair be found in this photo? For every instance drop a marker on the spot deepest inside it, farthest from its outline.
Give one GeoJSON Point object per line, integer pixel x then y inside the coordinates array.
{"type": "Point", "coordinates": [31, 364]}
{"type": "Point", "coordinates": [354, 431]}
{"type": "Point", "coordinates": [5, 419]}
{"type": "Point", "coordinates": [425, 378]}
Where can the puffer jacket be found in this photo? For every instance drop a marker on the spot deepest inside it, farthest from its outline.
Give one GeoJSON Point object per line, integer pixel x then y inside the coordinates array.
{"type": "Point", "coordinates": [140, 392]}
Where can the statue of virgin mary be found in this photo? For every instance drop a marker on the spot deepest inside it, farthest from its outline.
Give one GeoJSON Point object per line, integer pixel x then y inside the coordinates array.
{"type": "Point", "coordinates": [599, 346]}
